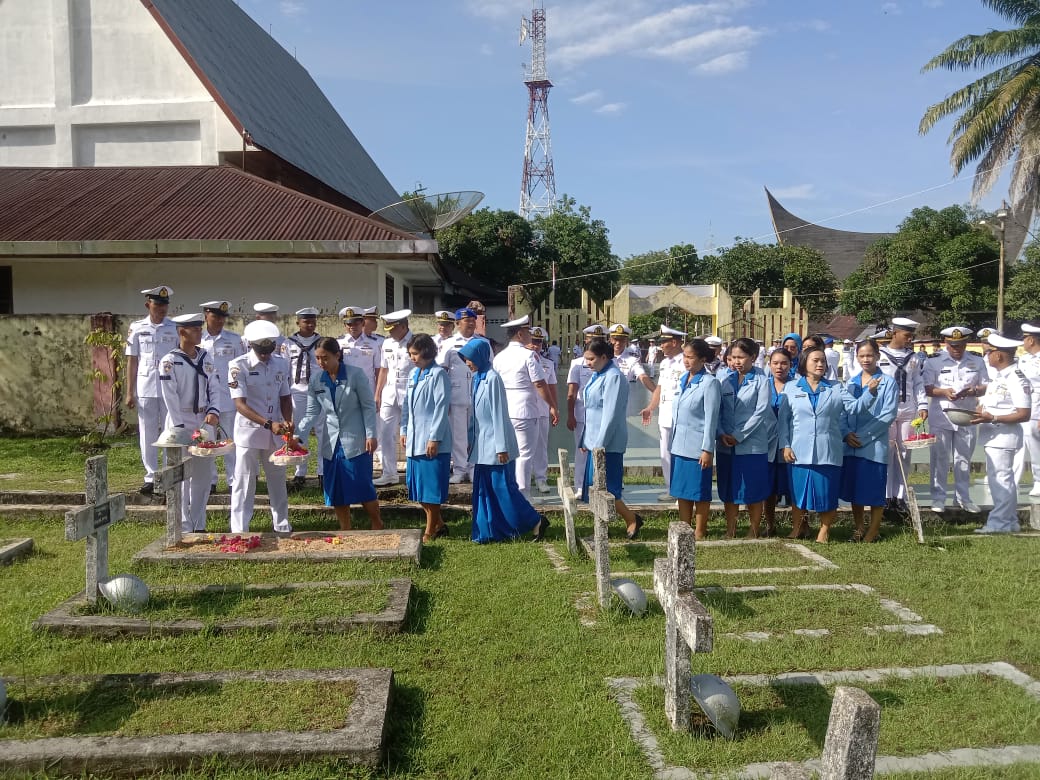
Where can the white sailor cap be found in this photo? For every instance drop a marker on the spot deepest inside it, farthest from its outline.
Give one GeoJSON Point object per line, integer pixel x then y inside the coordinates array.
{"type": "Point", "coordinates": [985, 333]}
{"type": "Point", "coordinates": [352, 313]}
{"type": "Point", "coordinates": [956, 333]}
{"type": "Point", "coordinates": [883, 334]}
{"type": "Point", "coordinates": [1029, 329]}
{"type": "Point", "coordinates": [538, 334]}
{"type": "Point", "coordinates": [307, 311]}
{"type": "Point", "coordinates": [617, 329]}
{"type": "Point", "coordinates": [160, 294]}
{"type": "Point", "coordinates": [371, 311]}
{"type": "Point", "coordinates": [713, 341]}
{"type": "Point", "coordinates": [259, 330]}
{"type": "Point", "coordinates": [666, 331]}
{"type": "Point", "coordinates": [595, 330]}
{"type": "Point", "coordinates": [520, 322]}
{"type": "Point", "coordinates": [265, 308]}
{"type": "Point", "coordinates": [1002, 342]}
{"type": "Point", "coordinates": [216, 307]}
{"type": "Point", "coordinates": [445, 316]}
{"type": "Point", "coordinates": [847, 341]}
{"type": "Point", "coordinates": [904, 323]}
{"type": "Point", "coordinates": [189, 320]}
{"type": "Point", "coordinates": [395, 317]}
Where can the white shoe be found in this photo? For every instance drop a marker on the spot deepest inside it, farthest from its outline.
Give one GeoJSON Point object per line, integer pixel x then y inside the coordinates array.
{"type": "Point", "coordinates": [1035, 492]}
{"type": "Point", "coordinates": [938, 508]}
{"type": "Point", "coordinates": [666, 498]}
{"type": "Point", "coordinates": [543, 487]}
{"type": "Point", "coordinates": [385, 480]}
{"type": "Point", "coordinates": [457, 479]}
{"type": "Point", "coordinates": [989, 530]}
{"type": "Point", "coordinates": [969, 506]}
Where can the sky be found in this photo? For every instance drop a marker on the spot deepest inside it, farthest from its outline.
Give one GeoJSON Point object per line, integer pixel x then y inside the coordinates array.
{"type": "Point", "coordinates": [668, 118]}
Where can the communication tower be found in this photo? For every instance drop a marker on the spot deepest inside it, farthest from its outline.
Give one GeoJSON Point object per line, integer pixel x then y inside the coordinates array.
{"type": "Point", "coordinates": [538, 186]}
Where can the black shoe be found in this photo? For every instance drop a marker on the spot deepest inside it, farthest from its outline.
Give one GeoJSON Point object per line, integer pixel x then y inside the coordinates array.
{"type": "Point", "coordinates": [321, 483]}
{"type": "Point", "coordinates": [296, 483]}
{"type": "Point", "coordinates": [442, 531]}
{"type": "Point", "coordinates": [540, 529]}
{"type": "Point", "coordinates": [212, 489]}
{"type": "Point", "coordinates": [147, 489]}
{"type": "Point", "coordinates": [634, 533]}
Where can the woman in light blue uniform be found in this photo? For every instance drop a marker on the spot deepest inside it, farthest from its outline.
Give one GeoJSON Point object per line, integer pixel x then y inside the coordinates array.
{"type": "Point", "coordinates": [865, 469]}
{"type": "Point", "coordinates": [745, 418]}
{"type": "Point", "coordinates": [811, 429]}
{"type": "Point", "coordinates": [606, 398]}
{"type": "Point", "coordinates": [695, 417]}
{"type": "Point", "coordinates": [426, 434]}
{"type": "Point", "coordinates": [780, 471]}
{"type": "Point", "coordinates": [500, 511]}
{"type": "Point", "coordinates": [792, 345]}
{"type": "Point", "coordinates": [340, 398]}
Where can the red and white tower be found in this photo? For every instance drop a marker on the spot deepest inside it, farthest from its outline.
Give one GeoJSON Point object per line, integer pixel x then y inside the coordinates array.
{"type": "Point", "coordinates": [538, 187]}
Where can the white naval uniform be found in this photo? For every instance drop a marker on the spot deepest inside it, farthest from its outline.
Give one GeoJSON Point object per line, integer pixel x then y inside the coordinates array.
{"type": "Point", "coordinates": [1010, 390]}
{"type": "Point", "coordinates": [671, 372]}
{"type": "Point", "coordinates": [189, 389]}
{"type": "Point", "coordinates": [632, 369]}
{"type": "Point", "coordinates": [911, 401]}
{"type": "Point", "coordinates": [299, 352]}
{"type": "Point", "coordinates": [942, 371]}
{"type": "Point", "coordinates": [394, 358]}
{"type": "Point", "coordinates": [461, 406]}
{"type": "Point", "coordinates": [262, 385]}
{"type": "Point", "coordinates": [362, 352]}
{"type": "Point", "coordinates": [651, 359]}
{"type": "Point", "coordinates": [833, 359]}
{"type": "Point", "coordinates": [222, 349]}
{"type": "Point", "coordinates": [520, 368]}
{"type": "Point", "coordinates": [1029, 365]}
{"type": "Point", "coordinates": [149, 342]}
{"type": "Point", "coordinates": [540, 461]}
{"type": "Point", "coordinates": [579, 374]}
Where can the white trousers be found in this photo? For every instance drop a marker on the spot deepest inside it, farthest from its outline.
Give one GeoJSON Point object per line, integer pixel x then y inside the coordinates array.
{"type": "Point", "coordinates": [961, 443]}
{"type": "Point", "coordinates": [247, 469]}
{"type": "Point", "coordinates": [1000, 477]}
{"type": "Point", "coordinates": [1030, 446]}
{"type": "Point", "coordinates": [194, 493]}
{"type": "Point", "coordinates": [151, 416]}
{"type": "Point", "coordinates": [227, 422]}
{"type": "Point", "coordinates": [527, 440]}
{"type": "Point", "coordinates": [388, 434]}
{"type": "Point", "coordinates": [458, 418]}
{"type": "Point", "coordinates": [299, 409]}
{"type": "Point", "coordinates": [897, 434]}
{"type": "Point", "coordinates": [540, 456]}
{"type": "Point", "coordinates": [580, 458]}
{"type": "Point", "coordinates": [666, 457]}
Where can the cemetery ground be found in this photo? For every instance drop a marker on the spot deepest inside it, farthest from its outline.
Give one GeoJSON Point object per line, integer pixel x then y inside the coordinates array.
{"type": "Point", "coordinates": [495, 674]}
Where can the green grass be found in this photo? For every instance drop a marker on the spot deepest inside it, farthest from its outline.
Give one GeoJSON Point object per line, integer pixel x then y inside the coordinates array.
{"type": "Point", "coordinates": [633, 557]}
{"type": "Point", "coordinates": [129, 710]}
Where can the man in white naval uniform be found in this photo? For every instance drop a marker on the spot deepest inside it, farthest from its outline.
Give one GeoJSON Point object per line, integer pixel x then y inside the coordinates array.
{"type": "Point", "coordinates": [259, 383]}
{"type": "Point", "coordinates": [652, 353]}
{"type": "Point", "coordinates": [716, 344]}
{"type": "Point", "coordinates": [268, 312]}
{"type": "Point", "coordinates": [954, 379]}
{"type": "Point", "coordinates": [899, 361]}
{"type": "Point", "coordinates": [1005, 406]}
{"type": "Point", "coordinates": [223, 346]}
{"type": "Point", "coordinates": [445, 326]}
{"type": "Point", "coordinates": [578, 376]}
{"type": "Point", "coordinates": [540, 462]}
{"type": "Point", "coordinates": [298, 349]}
{"type": "Point", "coordinates": [359, 350]}
{"type": "Point", "coordinates": [1029, 365]}
{"type": "Point", "coordinates": [982, 334]}
{"type": "Point", "coordinates": [833, 358]}
{"type": "Point", "coordinates": [671, 370]}
{"type": "Point", "coordinates": [148, 340]}
{"type": "Point", "coordinates": [391, 387]}
{"type": "Point", "coordinates": [630, 364]}
{"type": "Point", "coordinates": [189, 383]}
{"type": "Point", "coordinates": [524, 381]}
{"type": "Point", "coordinates": [371, 327]}
{"type": "Point", "coordinates": [461, 392]}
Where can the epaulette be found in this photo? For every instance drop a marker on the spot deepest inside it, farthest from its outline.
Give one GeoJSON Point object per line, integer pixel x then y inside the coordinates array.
{"type": "Point", "coordinates": [1026, 385]}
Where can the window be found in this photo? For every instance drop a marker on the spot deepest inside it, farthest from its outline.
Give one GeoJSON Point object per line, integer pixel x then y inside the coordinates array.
{"type": "Point", "coordinates": [390, 294]}
{"type": "Point", "coordinates": [6, 290]}
{"type": "Point", "coordinates": [406, 294]}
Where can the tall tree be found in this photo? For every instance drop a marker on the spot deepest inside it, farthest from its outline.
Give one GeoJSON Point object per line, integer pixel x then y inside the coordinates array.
{"type": "Point", "coordinates": [1022, 295]}
{"type": "Point", "coordinates": [579, 246]}
{"type": "Point", "coordinates": [679, 264]}
{"type": "Point", "coordinates": [496, 247]}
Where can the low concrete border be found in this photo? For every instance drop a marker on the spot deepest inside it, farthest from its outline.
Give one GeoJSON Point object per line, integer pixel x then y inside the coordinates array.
{"type": "Point", "coordinates": [63, 619]}
{"type": "Point", "coordinates": [409, 549]}
{"type": "Point", "coordinates": [360, 741]}
{"type": "Point", "coordinates": [622, 690]}
{"type": "Point", "coordinates": [13, 549]}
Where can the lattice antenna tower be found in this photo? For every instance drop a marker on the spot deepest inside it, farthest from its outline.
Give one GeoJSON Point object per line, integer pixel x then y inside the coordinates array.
{"type": "Point", "coordinates": [538, 186]}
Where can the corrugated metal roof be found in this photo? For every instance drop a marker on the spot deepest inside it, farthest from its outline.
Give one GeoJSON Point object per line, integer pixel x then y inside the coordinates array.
{"type": "Point", "coordinates": [175, 203]}
{"type": "Point", "coordinates": [271, 96]}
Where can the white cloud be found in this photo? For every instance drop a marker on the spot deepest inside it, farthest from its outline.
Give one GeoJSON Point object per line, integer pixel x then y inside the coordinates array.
{"type": "Point", "coordinates": [892, 9]}
{"type": "Point", "coordinates": [499, 9]}
{"type": "Point", "coordinates": [291, 7]}
{"type": "Point", "coordinates": [611, 108]}
{"type": "Point", "coordinates": [706, 43]}
{"type": "Point", "coordinates": [933, 3]}
{"type": "Point", "coordinates": [724, 63]}
{"type": "Point", "coordinates": [594, 96]}
{"type": "Point", "coordinates": [795, 192]}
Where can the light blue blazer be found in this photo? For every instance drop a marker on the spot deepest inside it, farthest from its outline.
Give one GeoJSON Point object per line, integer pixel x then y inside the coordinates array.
{"type": "Point", "coordinates": [746, 413]}
{"type": "Point", "coordinates": [424, 413]}
{"type": "Point", "coordinates": [872, 424]}
{"type": "Point", "coordinates": [606, 399]}
{"type": "Point", "coordinates": [695, 417]}
{"type": "Point", "coordinates": [350, 416]}
{"type": "Point", "coordinates": [816, 435]}
{"type": "Point", "coordinates": [492, 431]}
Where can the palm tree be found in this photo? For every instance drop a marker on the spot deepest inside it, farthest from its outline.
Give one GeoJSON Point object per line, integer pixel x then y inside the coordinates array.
{"type": "Point", "coordinates": [999, 113]}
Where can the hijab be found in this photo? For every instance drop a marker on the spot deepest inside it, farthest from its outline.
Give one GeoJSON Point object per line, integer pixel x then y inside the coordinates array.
{"type": "Point", "coordinates": [478, 352]}
{"type": "Point", "coordinates": [794, 358]}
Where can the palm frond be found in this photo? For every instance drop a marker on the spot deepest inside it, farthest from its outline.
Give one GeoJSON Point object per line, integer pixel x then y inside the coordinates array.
{"type": "Point", "coordinates": [968, 96]}
{"type": "Point", "coordinates": [992, 48]}
{"type": "Point", "coordinates": [1017, 11]}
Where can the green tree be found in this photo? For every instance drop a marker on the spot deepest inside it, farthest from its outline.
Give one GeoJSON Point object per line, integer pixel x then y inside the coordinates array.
{"type": "Point", "coordinates": [579, 246]}
{"type": "Point", "coordinates": [679, 264]}
{"type": "Point", "coordinates": [1022, 294]}
{"type": "Point", "coordinates": [998, 114]}
{"type": "Point", "coordinates": [496, 247]}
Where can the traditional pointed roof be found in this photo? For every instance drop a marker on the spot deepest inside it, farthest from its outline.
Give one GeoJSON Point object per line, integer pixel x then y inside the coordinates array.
{"type": "Point", "coordinates": [270, 98]}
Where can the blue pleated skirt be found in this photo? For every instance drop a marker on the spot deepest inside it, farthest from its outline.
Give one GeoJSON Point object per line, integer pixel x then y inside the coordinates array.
{"type": "Point", "coordinates": [743, 479]}
{"type": "Point", "coordinates": [780, 471]}
{"type": "Point", "coordinates": [688, 480]}
{"type": "Point", "coordinates": [863, 481]}
{"type": "Point", "coordinates": [815, 488]}
{"type": "Point", "coordinates": [427, 478]}
{"type": "Point", "coordinates": [348, 480]}
{"type": "Point", "coordinates": [500, 511]}
{"type": "Point", "coordinates": [615, 474]}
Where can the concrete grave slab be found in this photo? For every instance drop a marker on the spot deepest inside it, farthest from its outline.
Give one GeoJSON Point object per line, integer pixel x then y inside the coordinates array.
{"type": "Point", "coordinates": [65, 620]}
{"type": "Point", "coordinates": [360, 741]}
{"type": "Point", "coordinates": [397, 544]}
{"type": "Point", "coordinates": [13, 549]}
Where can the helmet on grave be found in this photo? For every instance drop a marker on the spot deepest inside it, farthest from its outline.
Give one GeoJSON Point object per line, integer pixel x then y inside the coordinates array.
{"type": "Point", "coordinates": [125, 591]}
{"type": "Point", "coordinates": [719, 702]}
{"type": "Point", "coordinates": [174, 437]}
{"type": "Point", "coordinates": [630, 594]}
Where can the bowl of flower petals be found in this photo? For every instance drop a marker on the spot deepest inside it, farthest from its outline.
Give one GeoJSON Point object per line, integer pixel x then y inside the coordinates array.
{"type": "Point", "coordinates": [206, 445]}
{"type": "Point", "coordinates": [289, 454]}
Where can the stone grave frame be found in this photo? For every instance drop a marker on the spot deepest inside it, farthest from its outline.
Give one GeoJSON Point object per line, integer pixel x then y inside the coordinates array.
{"type": "Point", "coordinates": [13, 549]}
{"type": "Point", "coordinates": [92, 523]}
{"type": "Point", "coordinates": [168, 480]}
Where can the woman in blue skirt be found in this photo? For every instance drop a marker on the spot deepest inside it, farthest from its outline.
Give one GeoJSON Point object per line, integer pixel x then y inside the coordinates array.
{"type": "Point", "coordinates": [426, 434]}
{"type": "Point", "coordinates": [865, 469]}
{"type": "Point", "coordinates": [745, 421]}
{"type": "Point", "coordinates": [695, 416]}
{"type": "Point", "coordinates": [811, 429]}
{"type": "Point", "coordinates": [344, 394]}
{"type": "Point", "coordinates": [500, 511]}
{"type": "Point", "coordinates": [780, 471]}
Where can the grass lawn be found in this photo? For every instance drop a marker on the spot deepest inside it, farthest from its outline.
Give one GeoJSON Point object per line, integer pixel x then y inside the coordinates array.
{"type": "Point", "coordinates": [496, 677]}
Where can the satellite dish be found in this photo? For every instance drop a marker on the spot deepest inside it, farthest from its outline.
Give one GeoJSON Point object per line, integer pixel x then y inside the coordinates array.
{"type": "Point", "coordinates": [430, 213]}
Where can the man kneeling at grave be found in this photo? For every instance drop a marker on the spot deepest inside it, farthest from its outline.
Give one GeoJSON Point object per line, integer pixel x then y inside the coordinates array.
{"type": "Point", "coordinates": [259, 382]}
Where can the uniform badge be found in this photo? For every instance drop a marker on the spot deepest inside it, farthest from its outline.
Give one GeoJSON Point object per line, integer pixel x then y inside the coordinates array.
{"type": "Point", "coordinates": [224, 307]}
{"type": "Point", "coordinates": [167, 366]}
{"type": "Point", "coordinates": [279, 377]}
{"type": "Point", "coordinates": [233, 378]}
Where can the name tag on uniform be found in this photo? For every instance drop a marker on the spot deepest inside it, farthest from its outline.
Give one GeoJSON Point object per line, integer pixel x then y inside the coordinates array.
{"type": "Point", "coordinates": [801, 395]}
{"type": "Point", "coordinates": [946, 371]}
{"type": "Point", "coordinates": [254, 373]}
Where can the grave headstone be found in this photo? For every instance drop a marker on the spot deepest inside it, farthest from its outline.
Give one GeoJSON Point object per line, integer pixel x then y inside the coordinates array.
{"type": "Point", "coordinates": [1034, 516]}
{"type": "Point", "coordinates": [565, 488]}
{"type": "Point", "coordinates": [169, 480]}
{"type": "Point", "coordinates": [850, 749]}
{"type": "Point", "coordinates": [604, 512]}
{"type": "Point", "coordinates": [92, 523]}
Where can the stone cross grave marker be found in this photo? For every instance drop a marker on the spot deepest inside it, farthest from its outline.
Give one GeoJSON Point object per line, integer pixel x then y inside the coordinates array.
{"type": "Point", "coordinates": [91, 522]}
{"type": "Point", "coordinates": [565, 487]}
{"type": "Point", "coordinates": [688, 624]}
{"type": "Point", "coordinates": [168, 480]}
{"type": "Point", "coordinates": [604, 512]}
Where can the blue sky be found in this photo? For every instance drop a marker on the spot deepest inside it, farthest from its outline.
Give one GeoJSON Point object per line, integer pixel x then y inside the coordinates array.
{"type": "Point", "coordinates": [668, 118]}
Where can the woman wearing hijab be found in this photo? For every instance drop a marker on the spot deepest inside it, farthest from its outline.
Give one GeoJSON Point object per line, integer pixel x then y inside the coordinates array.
{"type": "Point", "coordinates": [779, 470]}
{"type": "Point", "coordinates": [500, 511]}
{"type": "Point", "coordinates": [426, 434]}
{"type": "Point", "coordinates": [792, 345]}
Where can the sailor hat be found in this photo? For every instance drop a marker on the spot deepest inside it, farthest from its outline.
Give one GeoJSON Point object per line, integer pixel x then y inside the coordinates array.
{"type": "Point", "coordinates": [713, 341]}
{"type": "Point", "coordinates": [956, 333]}
{"type": "Point", "coordinates": [189, 320]}
{"type": "Point", "coordinates": [465, 313]}
{"type": "Point", "coordinates": [520, 322]}
{"type": "Point", "coordinates": [905, 323]}
{"type": "Point", "coordinates": [395, 317]}
{"type": "Point", "coordinates": [1002, 342]}
{"type": "Point", "coordinates": [352, 313]}
{"type": "Point", "coordinates": [259, 330]}
{"type": "Point", "coordinates": [445, 316]}
{"type": "Point", "coordinates": [1031, 330]}
{"type": "Point", "coordinates": [985, 333]}
{"type": "Point", "coordinates": [595, 330]}
{"type": "Point", "coordinates": [307, 312]}
{"type": "Point", "coordinates": [666, 331]}
{"type": "Point", "coordinates": [883, 334]}
{"type": "Point", "coordinates": [847, 342]}
{"type": "Point", "coordinates": [265, 308]}
{"type": "Point", "coordinates": [160, 294]}
{"type": "Point", "coordinates": [216, 307]}
{"type": "Point", "coordinates": [617, 329]}
{"type": "Point", "coordinates": [538, 334]}
{"type": "Point", "coordinates": [372, 311]}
